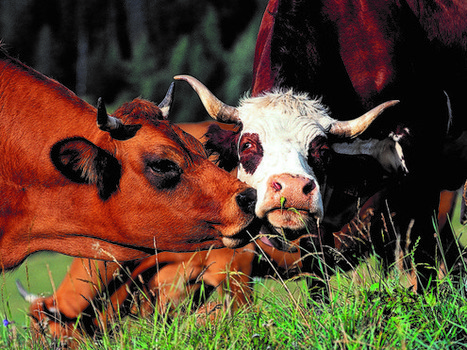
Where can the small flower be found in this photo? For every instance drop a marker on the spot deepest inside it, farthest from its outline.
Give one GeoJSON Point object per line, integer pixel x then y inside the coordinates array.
{"type": "Point", "coordinates": [6, 323]}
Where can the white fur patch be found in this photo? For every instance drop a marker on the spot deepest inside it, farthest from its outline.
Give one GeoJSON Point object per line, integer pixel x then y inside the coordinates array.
{"type": "Point", "coordinates": [286, 124]}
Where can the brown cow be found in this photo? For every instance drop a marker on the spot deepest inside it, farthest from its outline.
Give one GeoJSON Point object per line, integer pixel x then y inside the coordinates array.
{"type": "Point", "coordinates": [166, 279]}
{"type": "Point", "coordinates": [123, 190]}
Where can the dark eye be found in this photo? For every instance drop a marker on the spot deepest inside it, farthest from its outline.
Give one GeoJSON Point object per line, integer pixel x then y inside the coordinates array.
{"type": "Point", "coordinates": [164, 173]}
{"type": "Point", "coordinates": [245, 146]}
{"type": "Point", "coordinates": [319, 155]}
{"type": "Point", "coordinates": [318, 150]}
{"type": "Point", "coordinates": [163, 166]}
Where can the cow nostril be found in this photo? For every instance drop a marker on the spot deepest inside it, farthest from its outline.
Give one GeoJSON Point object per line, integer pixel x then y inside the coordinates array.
{"type": "Point", "coordinates": [246, 200]}
{"type": "Point", "coordinates": [309, 187]}
{"type": "Point", "coordinates": [276, 186]}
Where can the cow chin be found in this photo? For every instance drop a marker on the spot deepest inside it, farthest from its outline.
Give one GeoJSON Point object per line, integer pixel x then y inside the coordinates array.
{"type": "Point", "coordinates": [233, 243]}
{"type": "Point", "coordinates": [281, 238]}
{"type": "Point", "coordinates": [244, 236]}
{"type": "Point", "coordinates": [289, 219]}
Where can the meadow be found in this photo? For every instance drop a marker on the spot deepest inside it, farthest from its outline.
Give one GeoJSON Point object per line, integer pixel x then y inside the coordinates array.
{"type": "Point", "coordinates": [366, 309]}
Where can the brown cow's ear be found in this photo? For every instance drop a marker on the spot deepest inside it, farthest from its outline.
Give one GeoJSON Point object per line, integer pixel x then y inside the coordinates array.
{"type": "Point", "coordinates": [83, 162]}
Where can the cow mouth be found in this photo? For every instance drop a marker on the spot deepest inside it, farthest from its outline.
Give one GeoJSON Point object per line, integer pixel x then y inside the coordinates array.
{"type": "Point", "coordinates": [291, 219]}
{"type": "Point", "coordinates": [279, 243]}
{"type": "Point", "coordinates": [244, 236]}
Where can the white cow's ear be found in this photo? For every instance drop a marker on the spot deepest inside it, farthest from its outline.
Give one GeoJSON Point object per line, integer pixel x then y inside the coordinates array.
{"type": "Point", "coordinates": [81, 161]}
{"type": "Point", "coordinates": [223, 145]}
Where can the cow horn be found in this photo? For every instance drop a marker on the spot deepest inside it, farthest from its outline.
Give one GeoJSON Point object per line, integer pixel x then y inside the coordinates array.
{"type": "Point", "coordinates": [29, 297]}
{"type": "Point", "coordinates": [114, 126]}
{"type": "Point", "coordinates": [215, 107]}
{"type": "Point", "coordinates": [166, 103]}
{"type": "Point", "coordinates": [353, 128]}
{"type": "Point", "coordinates": [104, 121]}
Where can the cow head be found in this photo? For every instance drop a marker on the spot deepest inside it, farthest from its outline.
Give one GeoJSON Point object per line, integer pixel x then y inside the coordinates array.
{"type": "Point", "coordinates": [155, 182]}
{"type": "Point", "coordinates": [282, 150]}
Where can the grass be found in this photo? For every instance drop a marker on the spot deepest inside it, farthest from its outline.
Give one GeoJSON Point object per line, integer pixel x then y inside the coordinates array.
{"type": "Point", "coordinates": [367, 309]}
{"type": "Point", "coordinates": [381, 315]}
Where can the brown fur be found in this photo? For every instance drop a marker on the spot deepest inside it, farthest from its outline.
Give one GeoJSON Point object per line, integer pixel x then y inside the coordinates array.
{"type": "Point", "coordinates": [65, 204]}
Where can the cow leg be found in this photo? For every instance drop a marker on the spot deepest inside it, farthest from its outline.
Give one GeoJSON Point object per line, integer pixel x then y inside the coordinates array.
{"type": "Point", "coordinates": [451, 257]}
{"type": "Point", "coordinates": [416, 203]}
{"type": "Point", "coordinates": [318, 259]}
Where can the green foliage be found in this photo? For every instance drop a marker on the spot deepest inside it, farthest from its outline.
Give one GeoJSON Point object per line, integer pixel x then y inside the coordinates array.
{"type": "Point", "coordinates": [124, 49]}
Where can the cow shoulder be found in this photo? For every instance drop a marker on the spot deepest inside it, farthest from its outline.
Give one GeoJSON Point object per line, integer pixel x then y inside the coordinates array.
{"type": "Point", "coordinates": [81, 161]}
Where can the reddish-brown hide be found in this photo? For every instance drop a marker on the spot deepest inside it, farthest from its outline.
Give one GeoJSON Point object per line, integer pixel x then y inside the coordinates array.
{"type": "Point", "coordinates": [67, 186]}
{"type": "Point", "coordinates": [166, 280]}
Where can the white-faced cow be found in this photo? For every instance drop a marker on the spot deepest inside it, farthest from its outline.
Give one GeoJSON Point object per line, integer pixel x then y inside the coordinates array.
{"type": "Point", "coordinates": [122, 189]}
{"type": "Point", "coordinates": [283, 150]}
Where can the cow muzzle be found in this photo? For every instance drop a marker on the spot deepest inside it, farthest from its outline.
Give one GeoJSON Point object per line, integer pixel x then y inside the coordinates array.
{"type": "Point", "coordinates": [291, 202]}
{"type": "Point", "coordinates": [246, 201]}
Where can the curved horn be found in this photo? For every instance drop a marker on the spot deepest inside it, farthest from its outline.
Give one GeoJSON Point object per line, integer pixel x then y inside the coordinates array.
{"type": "Point", "coordinates": [114, 126]}
{"type": "Point", "coordinates": [353, 128]}
{"type": "Point", "coordinates": [215, 107]}
{"type": "Point", "coordinates": [104, 121]}
{"type": "Point", "coordinates": [29, 297]}
{"type": "Point", "coordinates": [167, 101]}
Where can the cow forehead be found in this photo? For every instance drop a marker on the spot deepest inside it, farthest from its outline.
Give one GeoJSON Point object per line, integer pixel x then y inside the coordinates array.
{"type": "Point", "coordinates": [285, 117]}
{"type": "Point", "coordinates": [166, 141]}
{"type": "Point", "coordinates": [277, 131]}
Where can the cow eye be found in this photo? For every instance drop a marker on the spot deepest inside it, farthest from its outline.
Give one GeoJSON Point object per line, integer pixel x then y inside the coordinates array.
{"type": "Point", "coordinates": [318, 149]}
{"type": "Point", "coordinates": [164, 173]}
{"type": "Point", "coordinates": [163, 166]}
{"type": "Point", "coordinates": [245, 146]}
{"type": "Point", "coordinates": [250, 151]}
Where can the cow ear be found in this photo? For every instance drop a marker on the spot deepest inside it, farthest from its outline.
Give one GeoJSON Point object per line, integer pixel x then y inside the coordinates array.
{"type": "Point", "coordinates": [83, 162]}
{"type": "Point", "coordinates": [222, 143]}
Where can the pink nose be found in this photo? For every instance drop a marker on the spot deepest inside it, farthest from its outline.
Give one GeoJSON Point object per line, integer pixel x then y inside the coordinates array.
{"type": "Point", "coordinates": [291, 187]}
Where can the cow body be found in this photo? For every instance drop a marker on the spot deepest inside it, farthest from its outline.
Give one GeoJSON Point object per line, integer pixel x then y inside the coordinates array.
{"type": "Point", "coordinates": [356, 54]}
{"type": "Point", "coordinates": [122, 191]}
{"type": "Point", "coordinates": [97, 293]}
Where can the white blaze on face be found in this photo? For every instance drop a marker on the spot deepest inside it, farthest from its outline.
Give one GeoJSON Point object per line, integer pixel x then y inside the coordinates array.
{"type": "Point", "coordinates": [274, 144]}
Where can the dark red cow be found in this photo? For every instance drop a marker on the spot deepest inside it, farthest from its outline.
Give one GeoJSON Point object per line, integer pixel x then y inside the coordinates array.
{"type": "Point", "coordinates": [357, 54]}
{"type": "Point", "coordinates": [121, 189]}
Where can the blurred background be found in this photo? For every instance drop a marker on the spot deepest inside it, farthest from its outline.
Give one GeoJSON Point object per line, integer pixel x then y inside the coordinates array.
{"type": "Point", "coordinates": [122, 49]}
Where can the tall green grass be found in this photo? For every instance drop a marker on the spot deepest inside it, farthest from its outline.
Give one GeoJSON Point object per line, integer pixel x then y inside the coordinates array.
{"type": "Point", "coordinates": [367, 308]}
{"type": "Point", "coordinates": [384, 315]}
